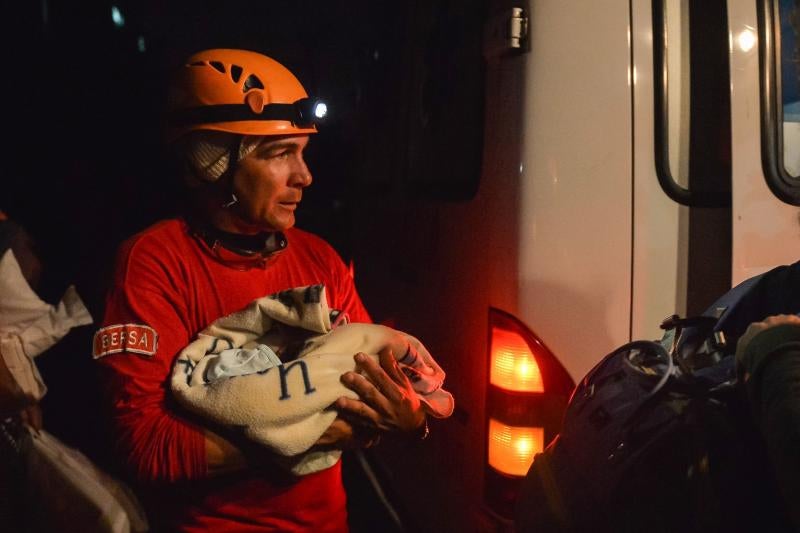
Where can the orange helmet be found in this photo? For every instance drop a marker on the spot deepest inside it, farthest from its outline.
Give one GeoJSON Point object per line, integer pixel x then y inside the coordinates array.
{"type": "Point", "coordinates": [238, 91]}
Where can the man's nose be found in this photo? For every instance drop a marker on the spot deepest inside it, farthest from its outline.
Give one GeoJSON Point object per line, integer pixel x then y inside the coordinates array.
{"type": "Point", "coordinates": [301, 176]}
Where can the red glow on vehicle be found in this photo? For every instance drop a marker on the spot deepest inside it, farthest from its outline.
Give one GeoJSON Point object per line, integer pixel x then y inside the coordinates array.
{"type": "Point", "coordinates": [513, 364]}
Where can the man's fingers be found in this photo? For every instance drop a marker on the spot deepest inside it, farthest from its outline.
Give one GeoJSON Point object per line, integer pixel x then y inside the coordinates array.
{"type": "Point", "coordinates": [389, 365]}
{"type": "Point", "coordinates": [340, 430]}
{"type": "Point", "coordinates": [777, 320]}
{"type": "Point", "coordinates": [757, 327]}
{"type": "Point", "coordinates": [32, 415]}
{"type": "Point", "coordinates": [771, 322]}
{"type": "Point", "coordinates": [385, 385]}
{"type": "Point", "coordinates": [345, 434]}
{"type": "Point", "coordinates": [367, 392]}
{"type": "Point", "coordinates": [390, 405]}
{"type": "Point", "coordinates": [359, 409]}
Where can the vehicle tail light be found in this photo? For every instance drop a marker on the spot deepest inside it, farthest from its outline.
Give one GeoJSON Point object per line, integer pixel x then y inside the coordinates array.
{"type": "Point", "coordinates": [527, 393]}
{"type": "Point", "coordinates": [514, 366]}
{"type": "Point", "coordinates": [511, 448]}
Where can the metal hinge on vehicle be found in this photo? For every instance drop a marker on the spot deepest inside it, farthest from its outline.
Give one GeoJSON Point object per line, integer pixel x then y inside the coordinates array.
{"type": "Point", "coordinates": [506, 32]}
{"type": "Point", "coordinates": [517, 28]}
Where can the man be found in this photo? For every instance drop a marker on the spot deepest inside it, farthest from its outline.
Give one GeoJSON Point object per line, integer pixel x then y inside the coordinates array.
{"type": "Point", "coordinates": [240, 123]}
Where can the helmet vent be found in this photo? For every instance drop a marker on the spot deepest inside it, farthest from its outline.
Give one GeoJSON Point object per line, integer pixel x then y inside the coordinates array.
{"type": "Point", "coordinates": [252, 82]}
{"type": "Point", "coordinates": [218, 66]}
{"type": "Point", "coordinates": [236, 73]}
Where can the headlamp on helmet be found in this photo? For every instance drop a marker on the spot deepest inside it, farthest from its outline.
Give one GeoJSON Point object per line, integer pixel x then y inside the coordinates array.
{"type": "Point", "coordinates": [310, 111]}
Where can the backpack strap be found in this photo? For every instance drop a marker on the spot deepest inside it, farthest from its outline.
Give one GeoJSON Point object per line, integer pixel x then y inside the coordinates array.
{"type": "Point", "coordinates": [721, 318]}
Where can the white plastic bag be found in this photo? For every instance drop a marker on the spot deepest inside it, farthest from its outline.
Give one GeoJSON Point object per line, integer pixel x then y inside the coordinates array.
{"type": "Point", "coordinates": [63, 488]}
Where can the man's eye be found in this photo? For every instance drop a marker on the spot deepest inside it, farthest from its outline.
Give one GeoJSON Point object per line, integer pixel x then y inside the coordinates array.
{"type": "Point", "coordinates": [272, 155]}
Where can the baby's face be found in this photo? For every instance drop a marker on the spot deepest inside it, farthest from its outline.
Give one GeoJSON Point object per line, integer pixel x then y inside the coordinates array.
{"type": "Point", "coordinates": [289, 342]}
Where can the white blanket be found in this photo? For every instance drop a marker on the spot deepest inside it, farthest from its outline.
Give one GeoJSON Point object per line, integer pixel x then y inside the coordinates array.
{"type": "Point", "coordinates": [287, 407]}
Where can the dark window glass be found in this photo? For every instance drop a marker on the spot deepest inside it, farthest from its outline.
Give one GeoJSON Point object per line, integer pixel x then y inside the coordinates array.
{"type": "Point", "coordinates": [780, 97]}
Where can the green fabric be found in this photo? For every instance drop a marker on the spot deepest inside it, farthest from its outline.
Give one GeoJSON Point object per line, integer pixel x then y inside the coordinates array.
{"type": "Point", "coordinates": [762, 346]}
{"type": "Point", "coordinates": [772, 360]}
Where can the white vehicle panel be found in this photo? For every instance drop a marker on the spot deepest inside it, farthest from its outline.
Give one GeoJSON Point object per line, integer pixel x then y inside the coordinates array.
{"type": "Point", "coordinates": [659, 227]}
{"type": "Point", "coordinates": [575, 195]}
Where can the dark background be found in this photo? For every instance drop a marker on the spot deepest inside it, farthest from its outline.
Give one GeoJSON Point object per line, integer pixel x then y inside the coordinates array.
{"type": "Point", "coordinates": [83, 126]}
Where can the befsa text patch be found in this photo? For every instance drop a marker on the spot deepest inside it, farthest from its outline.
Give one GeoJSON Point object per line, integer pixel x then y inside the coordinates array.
{"type": "Point", "coordinates": [133, 338]}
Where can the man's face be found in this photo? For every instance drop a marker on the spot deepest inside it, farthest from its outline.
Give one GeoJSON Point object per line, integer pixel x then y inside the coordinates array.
{"type": "Point", "coordinates": [269, 183]}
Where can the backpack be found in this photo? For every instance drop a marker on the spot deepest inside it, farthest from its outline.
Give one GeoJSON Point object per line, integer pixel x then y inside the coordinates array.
{"type": "Point", "coordinates": [658, 436]}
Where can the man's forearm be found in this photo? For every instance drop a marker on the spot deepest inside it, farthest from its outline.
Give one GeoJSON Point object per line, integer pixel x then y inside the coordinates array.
{"type": "Point", "coordinates": [222, 457]}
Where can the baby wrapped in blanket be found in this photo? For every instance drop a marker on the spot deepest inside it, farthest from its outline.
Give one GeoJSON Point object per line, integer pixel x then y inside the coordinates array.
{"type": "Point", "coordinates": [272, 371]}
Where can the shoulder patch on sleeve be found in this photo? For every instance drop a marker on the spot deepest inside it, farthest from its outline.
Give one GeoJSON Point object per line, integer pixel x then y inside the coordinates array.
{"type": "Point", "coordinates": [133, 338]}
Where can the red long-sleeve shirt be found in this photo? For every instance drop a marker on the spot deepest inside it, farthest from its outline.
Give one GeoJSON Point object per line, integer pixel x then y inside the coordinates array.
{"type": "Point", "coordinates": [166, 280]}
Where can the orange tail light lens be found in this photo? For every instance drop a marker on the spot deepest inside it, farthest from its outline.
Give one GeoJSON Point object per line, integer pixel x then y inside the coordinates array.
{"type": "Point", "coordinates": [526, 395]}
{"type": "Point", "coordinates": [513, 365]}
{"type": "Point", "coordinates": [511, 449]}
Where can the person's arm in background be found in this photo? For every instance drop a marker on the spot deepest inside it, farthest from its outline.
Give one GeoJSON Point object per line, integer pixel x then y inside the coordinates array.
{"type": "Point", "coordinates": [14, 237]}
{"type": "Point", "coordinates": [768, 356]}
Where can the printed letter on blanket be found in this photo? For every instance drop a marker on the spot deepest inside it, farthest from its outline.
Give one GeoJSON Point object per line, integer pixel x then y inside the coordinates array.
{"type": "Point", "coordinates": [230, 373]}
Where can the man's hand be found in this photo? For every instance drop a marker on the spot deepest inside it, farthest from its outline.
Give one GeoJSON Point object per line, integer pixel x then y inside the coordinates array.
{"type": "Point", "coordinates": [388, 402]}
{"type": "Point", "coordinates": [32, 415]}
{"type": "Point", "coordinates": [341, 435]}
{"type": "Point", "coordinates": [222, 456]}
{"type": "Point", "coordinates": [757, 327]}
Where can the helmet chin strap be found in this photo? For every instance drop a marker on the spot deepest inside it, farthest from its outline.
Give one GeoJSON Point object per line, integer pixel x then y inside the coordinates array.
{"type": "Point", "coordinates": [238, 250]}
{"type": "Point", "coordinates": [224, 183]}
{"type": "Point", "coordinates": [263, 243]}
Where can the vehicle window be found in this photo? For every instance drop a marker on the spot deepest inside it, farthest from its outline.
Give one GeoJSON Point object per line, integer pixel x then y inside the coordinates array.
{"type": "Point", "coordinates": [789, 20]}
{"type": "Point", "coordinates": [692, 105]}
{"type": "Point", "coordinates": [780, 98]}
{"type": "Point", "coordinates": [678, 76]}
